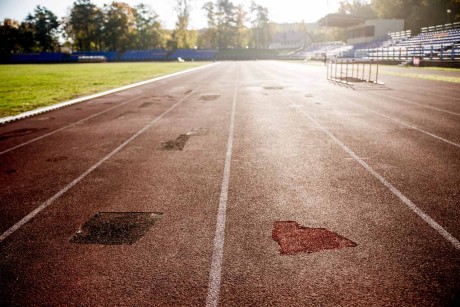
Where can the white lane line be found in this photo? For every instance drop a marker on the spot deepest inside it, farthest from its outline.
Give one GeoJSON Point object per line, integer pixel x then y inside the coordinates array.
{"type": "Point", "coordinates": [65, 127]}
{"type": "Point", "coordinates": [47, 203]}
{"type": "Point", "coordinates": [102, 112]}
{"type": "Point", "coordinates": [402, 123]}
{"type": "Point", "coordinates": [416, 103]}
{"type": "Point", "coordinates": [97, 95]}
{"type": "Point", "coordinates": [217, 255]}
{"type": "Point", "coordinates": [455, 242]}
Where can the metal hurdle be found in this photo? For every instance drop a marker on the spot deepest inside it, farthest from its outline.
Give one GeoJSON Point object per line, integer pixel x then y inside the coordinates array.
{"type": "Point", "coordinates": [352, 71]}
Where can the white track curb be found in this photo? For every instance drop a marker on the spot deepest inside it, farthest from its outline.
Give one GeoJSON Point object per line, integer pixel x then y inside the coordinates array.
{"type": "Point", "coordinates": [59, 105]}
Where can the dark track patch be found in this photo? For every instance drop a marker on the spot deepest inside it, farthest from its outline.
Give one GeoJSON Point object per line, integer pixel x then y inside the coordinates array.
{"type": "Point", "coordinates": [209, 97]}
{"type": "Point", "coordinates": [177, 144]}
{"type": "Point", "coordinates": [273, 87]}
{"type": "Point", "coordinates": [188, 92]}
{"type": "Point", "coordinates": [293, 239]}
{"type": "Point", "coordinates": [115, 228]}
{"type": "Point", "coordinates": [19, 132]}
{"type": "Point", "coordinates": [125, 113]}
{"type": "Point", "coordinates": [57, 159]}
{"type": "Point", "coordinates": [146, 104]}
{"type": "Point", "coordinates": [10, 171]}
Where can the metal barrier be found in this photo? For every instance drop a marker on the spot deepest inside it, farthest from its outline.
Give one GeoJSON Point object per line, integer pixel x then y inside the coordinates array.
{"type": "Point", "coordinates": [351, 71]}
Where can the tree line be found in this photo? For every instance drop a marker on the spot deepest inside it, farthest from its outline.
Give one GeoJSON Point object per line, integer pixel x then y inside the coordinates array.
{"type": "Point", "coordinates": [416, 13]}
{"type": "Point", "coordinates": [118, 27]}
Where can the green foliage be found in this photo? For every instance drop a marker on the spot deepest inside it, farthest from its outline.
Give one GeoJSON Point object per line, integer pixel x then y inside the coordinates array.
{"type": "Point", "coordinates": [118, 24]}
{"type": "Point", "coordinates": [261, 28]}
{"type": "Point", "coordinates": [9, 37]}
{"type": "Point", "coordinates": [227, 26]}
{"type": "Point", "coordinates": [182, 37]}
{"type": "Point", "coordinates": [44, 24]}
{"type": "Point", "coordinates": [85, 25]}
{"type": "Point", "coordinates": [38, 32]}
{"type": "Point", "coordinates": [357, 7]}
{"type": "Point", "coordinates": [147, 32]}
{"type": "Point", "coordinates": [418, 13]}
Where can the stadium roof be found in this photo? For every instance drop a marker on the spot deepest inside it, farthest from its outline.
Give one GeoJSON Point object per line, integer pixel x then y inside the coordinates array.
{"type": "Point", "coordinates": [341, 20]}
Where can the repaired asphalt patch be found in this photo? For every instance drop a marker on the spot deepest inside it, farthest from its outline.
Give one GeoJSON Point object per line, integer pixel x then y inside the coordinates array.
{"type": "Point", "coordinates": [293, 238]}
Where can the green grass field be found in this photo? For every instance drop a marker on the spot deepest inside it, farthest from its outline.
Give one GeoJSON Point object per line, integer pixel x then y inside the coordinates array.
{"type": "Point", "coordinates": [27, 87]}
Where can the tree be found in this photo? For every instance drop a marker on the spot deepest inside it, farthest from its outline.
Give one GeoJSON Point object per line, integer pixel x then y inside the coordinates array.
{"type": "Point", "coordinates": [181, 36]}
{"type": "Point", "coordinates": [242, 39]}
{"type": "Point", "coordinates": [226, 23]}
{"type": "Point", "coordinates": [44, 24]}
{"type": "Point", "coordinates": [209, 38]}
{"type": "Point", "coordinates": [147, 30]}
{"type": "Point", "coordinates": [118, 25]}
{"type": "Point", "coordinates": [84, 25]}
{"type": "Point", "coordinates": [418, 13]}
{"type": "Point", "coordinates": [9, 37]}
{"type": "Point", "coordinates": [260, 26]}
{"type": "Point", "coordinates": [357, 7]}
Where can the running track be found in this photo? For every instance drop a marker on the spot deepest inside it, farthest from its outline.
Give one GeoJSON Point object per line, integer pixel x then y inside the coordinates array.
{"type": "Point", "coordinates": [378, 165]}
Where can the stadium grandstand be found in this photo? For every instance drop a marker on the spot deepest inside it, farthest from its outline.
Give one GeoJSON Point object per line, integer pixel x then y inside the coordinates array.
{"type": "Point", "coordinates": [436, 43]}
{"type": "Point", "coordinates": [375, 40]}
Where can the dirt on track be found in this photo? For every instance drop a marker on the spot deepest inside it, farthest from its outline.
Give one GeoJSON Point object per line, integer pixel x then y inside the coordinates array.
{"type": "Point", "coordinates": [288, 162]}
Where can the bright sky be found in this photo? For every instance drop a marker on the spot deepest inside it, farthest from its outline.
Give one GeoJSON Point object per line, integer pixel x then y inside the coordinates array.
{"type": "Point", "coordinates": [279, 10]}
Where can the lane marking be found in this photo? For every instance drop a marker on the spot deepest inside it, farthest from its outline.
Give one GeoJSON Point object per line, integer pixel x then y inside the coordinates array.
{"type": "Point", "coordinates": [102, 112]}
{"type": "Point", "coordinates": [65, 127]}
{"type": "Point", "coordinates": [418, 104]}
{"type": "Point", "coordinates": [217, 255]}
{"type": "Point", "coordinates": [444, 233]}
{"type": "Point", "coordinates": [47, 203]}
{"type": "Point", "coordinates": [402, 123]}
{"type": "Point", "coordinates": [97, 95]}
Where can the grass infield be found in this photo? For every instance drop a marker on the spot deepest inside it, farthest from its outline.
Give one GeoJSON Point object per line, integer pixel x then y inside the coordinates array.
{"type": "Point", "coordinates": [27, 87]}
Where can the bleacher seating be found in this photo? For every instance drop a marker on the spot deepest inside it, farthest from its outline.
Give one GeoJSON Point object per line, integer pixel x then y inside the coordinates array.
{"type": "Point", "coordinates": [144, 55]}
{"type": "Point", "coordinates": [433, 43]}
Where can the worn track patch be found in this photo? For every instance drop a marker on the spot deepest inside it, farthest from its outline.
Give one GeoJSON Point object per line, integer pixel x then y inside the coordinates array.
{"type": "Point", "coordinates": [115, 228]}
{"type": "Point", "coordinates": [209, 97]}
{"type": "Point", "coordinates": [293, 238]}
{"type": "Point", "coordinates": [19, 132]}
{"type": "Point", "coordinates": [177, 144]}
